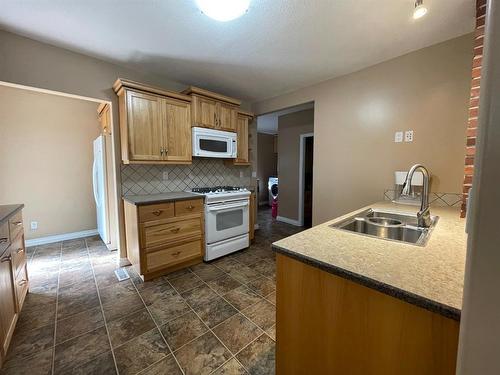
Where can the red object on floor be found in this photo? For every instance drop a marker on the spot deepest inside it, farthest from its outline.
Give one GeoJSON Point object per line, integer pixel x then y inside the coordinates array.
{"type": "Point", "coordinates": [274, 208]}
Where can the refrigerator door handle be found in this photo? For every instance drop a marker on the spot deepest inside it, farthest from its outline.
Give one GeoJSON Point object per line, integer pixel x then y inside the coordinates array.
{"type": "Point", "coordinates": [94, 182]}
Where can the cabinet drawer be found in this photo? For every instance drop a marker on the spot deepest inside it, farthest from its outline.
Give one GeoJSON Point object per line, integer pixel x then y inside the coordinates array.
{"type": "Point", "coordinates": [21, 285]}
{"type": "Point", "coordinates": [4, 237]}
{"type": "Point", "coordinates": [163, 258]}
{"type": "Point", "coordinates": [162, 234]}
{"type": "Point", "coordinates": [156, 212]}
{"type": "Point", "coordinates": [188, 207]}
{"type": "Point", "coordinates": [18, 253]}
{"type": "Point", "coordinates": [16, 224]}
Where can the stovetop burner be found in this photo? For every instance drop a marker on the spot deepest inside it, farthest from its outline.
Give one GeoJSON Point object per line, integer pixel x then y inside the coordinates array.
{"type": "Point", "coordinates": [218, 189]}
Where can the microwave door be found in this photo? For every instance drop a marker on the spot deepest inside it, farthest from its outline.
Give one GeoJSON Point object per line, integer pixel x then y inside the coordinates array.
{"type": "Point", "coordinates": [212, 146]}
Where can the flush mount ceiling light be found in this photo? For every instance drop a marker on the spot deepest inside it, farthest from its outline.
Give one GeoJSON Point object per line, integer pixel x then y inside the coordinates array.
{"type": "Point", "coordinates": [223, 10]}
{"type": "Point", "coordinates": [420, 9]}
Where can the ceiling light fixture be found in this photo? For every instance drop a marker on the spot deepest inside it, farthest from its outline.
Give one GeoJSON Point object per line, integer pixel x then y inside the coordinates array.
{"type": "Point", "coordinates": [420, 9]}
{"type": "Point", "coordinates": [223, 10]}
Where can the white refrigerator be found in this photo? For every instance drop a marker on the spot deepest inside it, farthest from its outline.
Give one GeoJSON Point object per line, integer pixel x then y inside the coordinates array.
{"type": "Point", "coordinates": [100, 189]}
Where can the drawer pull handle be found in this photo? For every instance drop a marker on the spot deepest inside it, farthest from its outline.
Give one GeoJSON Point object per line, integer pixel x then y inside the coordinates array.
{"type": "Point", "coordinates": [22, 282]}
{"type": "Point", "coordinates": [177, 253]}
{"type": "Point", "coordinates": [8, 258]}
{"type": "Point", "coordinates": [175, 230]}
{"type": "Point", "coordinates": [157, 212]}
{"type": "Point", "coordinates": [190, 207]}
{"type": "Point", "coordinates": [18, 223]}
{"type": "Point", "coordinates": [3, 239]}
{"type": "Point", "coordinates": [20, 250]}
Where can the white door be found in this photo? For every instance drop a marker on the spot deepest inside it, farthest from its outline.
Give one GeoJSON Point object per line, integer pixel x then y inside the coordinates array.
{"type": "Point", "coordinates": [226, 220]}
{"type": "Point", "coordinates": [99, 185]}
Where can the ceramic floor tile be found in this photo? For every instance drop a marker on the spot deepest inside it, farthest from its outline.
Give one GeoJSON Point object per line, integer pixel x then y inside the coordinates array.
{"type": "Point", "coordinates": [103, 364]}
{"type": "Point", "coordinates": [78, 324]}
{"type": "Point", "coordinates": [271, 331]}
{"type": "Point", "coordinates": [117, 291]}
{"type": "Point", "coordinates": [236, 332]}
{"type": "Point", "coordinates": [123, 307]}
{"type": "Point", "coordinates": [224, 284]}
{"type": "Point", "coordinates": [263, 314]}
{"type": "Point", "coordinates": [258, 358]}
{"type": "Point", "coordinates": [207, 271]}
{"type": "Point", "coordinates": [169, 308]}
{"type": "Point", "coordinates": [186, 282]}
{"type": "Point", "coordinates": [265, 268]}
{"type": "Point", "coordinates": [183, 329]}
{"type": "Point", "coordinates": [125, 329]}
{"type": "Point", "coordinates": [199, 295]}
{"type": "Point", "coordinates": [231, 367]}
{"type": "Point", "coordinates": [263, 286]}
{"type": "Point", "coordinates": [141, 352]}
{"type": "Point", "coordinates": [80, 350]}
{"type": "Point", "coordinates": [246, 257]}
{"type": "Point", "coordinates": [175, 274]}
{"type": "Point", "coordinates": [157, 292]}
{"type": "Point", "coordinates": [166, 366]}
{"type": "Point", "coordinates": [27, 342]}
{"type": "Point", "coordinates": [244, 274]}
{"type": "Point", "coordinates": [242, 297]}
{"type": "Point", "coordinates": [227, 264]}
{"type": "Point", "coordinates": [271, 298]}
{"type": "Point", "coordinates": [215, 311]}
{"type": "Point", "coordinates": [38, 364]}
{"type": "Point", "coordinates": [203, 355]}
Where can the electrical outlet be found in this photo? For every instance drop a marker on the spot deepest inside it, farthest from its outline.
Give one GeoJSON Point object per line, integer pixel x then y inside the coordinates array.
{"type": "Point", "coordinates": [165, 175]}
{"type": "Point", "coordinates": [34, 225]}
{"type": "Point", "coordinates": [398, 137]}
{"type": "Point", "coordinates": [409, 136]}
{"type": "Point", "coordinates": [241, 174]}
{"type": "Point", "coordinates": [254, 174]}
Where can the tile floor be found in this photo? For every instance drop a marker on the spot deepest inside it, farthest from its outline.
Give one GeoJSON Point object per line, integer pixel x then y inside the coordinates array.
{"type": "Point", "coordinates": [216, 318]}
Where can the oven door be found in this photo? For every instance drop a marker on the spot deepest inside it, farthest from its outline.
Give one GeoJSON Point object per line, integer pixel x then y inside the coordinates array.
{"type": "Point", "coordinates": [226, 220]}
{"type": "Point", "coordinates": [214, 143]}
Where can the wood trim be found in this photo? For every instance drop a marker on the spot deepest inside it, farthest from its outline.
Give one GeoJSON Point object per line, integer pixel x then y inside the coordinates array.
{"type": "Point", "coordinates": [122, 83]}
{"type": "Point", "coordinates": [193, 90]}
{"type": "Point", "coordinates": [102, 107]}
{"type": "Point", "coordinates": [245, 113]}
{"type": "Point", "coordinates": [330, 325]}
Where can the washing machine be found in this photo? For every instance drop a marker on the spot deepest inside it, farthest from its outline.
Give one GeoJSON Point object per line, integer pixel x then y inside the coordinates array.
{"type": "Point", "coordinates": [272, 187]}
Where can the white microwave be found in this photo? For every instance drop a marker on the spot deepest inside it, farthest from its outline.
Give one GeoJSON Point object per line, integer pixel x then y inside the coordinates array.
{"type": "Point", "coordinates": [210, 143]}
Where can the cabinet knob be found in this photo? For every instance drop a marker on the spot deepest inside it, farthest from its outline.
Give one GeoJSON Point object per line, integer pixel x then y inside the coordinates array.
{"type": "Point", "coordinates": [22, 282]}
{"type": "Point", "coordinates": [157, 212]}
{"type": "Point", "coordinates": [20, 250]}
{"type": "Point", "coordinates": [175, 230]}
{"type": "Point", "coordinates": [161, 151]}
{"type": "Point", "coordinates": [177, 253]}
{"type": "Point", "coordinates": [8, 258]}
{"type": "Point", "coordinates": [190, 207]}
{"type": "Point", "coordinates": [18, 223]}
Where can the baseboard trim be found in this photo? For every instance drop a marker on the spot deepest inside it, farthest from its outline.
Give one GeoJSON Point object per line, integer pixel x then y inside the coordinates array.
{"type": "Point", "coordinates": [61, 237]}
{"type": "Point", "coordinates": [289, 221]}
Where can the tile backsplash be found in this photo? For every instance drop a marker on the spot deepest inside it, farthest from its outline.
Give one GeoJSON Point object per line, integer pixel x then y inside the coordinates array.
{"type": "Point", "coordinates": [155, 179]}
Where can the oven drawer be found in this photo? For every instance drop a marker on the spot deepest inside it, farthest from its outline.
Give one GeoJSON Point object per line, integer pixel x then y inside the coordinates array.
{"type": "Point", "coordinates": [16, 224]}
{"type": "Point", "coordinates": [167, 257]}
{"type": "Point", "coordinates": [161, 234]}
{"type": "Point", "coordinates": [187, 207]}
{"type": "Point", "coordinates": [18, 253]}
{"type": "Point", "coordinates": [152, 212]}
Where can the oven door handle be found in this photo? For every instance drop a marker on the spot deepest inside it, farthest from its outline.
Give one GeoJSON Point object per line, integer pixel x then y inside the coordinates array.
{"type": "Point", "coordinates": [227, 207]}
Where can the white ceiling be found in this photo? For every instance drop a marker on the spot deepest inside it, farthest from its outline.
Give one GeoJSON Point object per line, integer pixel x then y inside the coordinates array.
{"type": "Point", "coordinates": [268, 123]}
{"type": "Point", "coordinates": [277, 47]}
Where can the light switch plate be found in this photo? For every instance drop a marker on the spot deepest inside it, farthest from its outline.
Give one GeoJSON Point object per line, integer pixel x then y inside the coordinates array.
{"type": "Point", "coordinates": [34, 225]}
{"type": "Point", "coordinates": [165, 175]}
{"type": "Point", "coordinates": [254, 174]}
{"type": "Point", "coordinates": [398, 137]}
{"type": "Point", "coordinates": [409, 136]}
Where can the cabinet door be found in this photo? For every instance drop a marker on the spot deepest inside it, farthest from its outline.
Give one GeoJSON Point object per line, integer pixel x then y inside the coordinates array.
{"type": "Point", "coordinates": [204, 112]}
{"type": "Point", "coordinates": [177, 130]}
{"type": "Point", "coordinates": [226, 117]}
{"type": "Point", "coordinates": [144, 126]}
{"type": "Point", "coordinates": [8, 311]}
{"type": "Point", "coordinates": [242, 132]}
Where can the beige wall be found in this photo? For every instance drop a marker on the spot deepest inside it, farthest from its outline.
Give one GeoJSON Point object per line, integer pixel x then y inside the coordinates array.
{"type": "Point", "coordinates": [46, 159]}
{"type": "Point", "coordinates": [290, 127]}
{"type": "Point", "coordinates": [266, 164]}
{"type": "Point", "coordinates": [356, 116]}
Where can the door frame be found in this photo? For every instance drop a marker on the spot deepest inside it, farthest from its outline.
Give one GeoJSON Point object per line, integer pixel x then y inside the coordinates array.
{"type": "Point", "coordinates": [302, 175]}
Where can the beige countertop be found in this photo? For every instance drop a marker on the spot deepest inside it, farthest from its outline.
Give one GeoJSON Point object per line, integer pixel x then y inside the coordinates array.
{"type": "Point", "coordinates": [431, 276]}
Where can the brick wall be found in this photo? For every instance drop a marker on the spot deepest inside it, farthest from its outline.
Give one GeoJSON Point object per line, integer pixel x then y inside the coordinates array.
{"type": "Point", "coordinates": [474, 101]}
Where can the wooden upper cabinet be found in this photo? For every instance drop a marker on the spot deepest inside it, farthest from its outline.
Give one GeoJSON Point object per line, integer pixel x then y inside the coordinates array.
{"type": "Point", "coordinates": [242, 123]}
{"type": "Point", "coordinates": [144, 126]}
{"type": "Point", "coordinates": [155, 124]}
{"type": "Point", "coordinates": [212, 110]}
{"type": "Point", "coordinates": [104, 118]}
{"type": "Point", "coordinates": [177, 130]}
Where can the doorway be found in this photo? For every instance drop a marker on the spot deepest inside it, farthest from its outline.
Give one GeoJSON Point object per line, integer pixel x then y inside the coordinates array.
{"type": "Point", "coordinates": [306, 179]}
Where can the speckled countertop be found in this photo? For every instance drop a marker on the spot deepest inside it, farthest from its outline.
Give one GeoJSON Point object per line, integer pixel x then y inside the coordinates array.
{"type": "Point", "coordinates": [8, 210]}
{"type": "Point", "coordinates": [431, 277]}
{"type": "Point", "coordinates": [159, 198]}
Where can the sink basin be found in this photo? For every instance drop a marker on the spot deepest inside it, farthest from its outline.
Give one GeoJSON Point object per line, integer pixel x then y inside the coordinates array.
{"type": "Point", "coordinates": [388, 225]}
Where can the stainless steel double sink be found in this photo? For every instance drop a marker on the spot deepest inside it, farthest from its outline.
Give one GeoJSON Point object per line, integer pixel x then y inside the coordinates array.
{"type": "Point", "coordinates": [388, 225]}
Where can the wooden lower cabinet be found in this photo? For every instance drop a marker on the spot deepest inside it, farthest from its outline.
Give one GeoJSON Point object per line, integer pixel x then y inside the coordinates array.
{"type": "Point", "coordinates": [13, 278]}
{"type": "Point", "coordinates": [164, 237]}
{"type": "Point", "coordinates": [330, 325]}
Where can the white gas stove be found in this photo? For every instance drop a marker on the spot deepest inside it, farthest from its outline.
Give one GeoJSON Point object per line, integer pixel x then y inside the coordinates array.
{"type": "Point", "coordinates": [226, 220]}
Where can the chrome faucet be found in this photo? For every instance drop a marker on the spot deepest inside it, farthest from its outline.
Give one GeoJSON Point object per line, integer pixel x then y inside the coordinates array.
{"type": "Point", "coordinates": [424, 215]}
